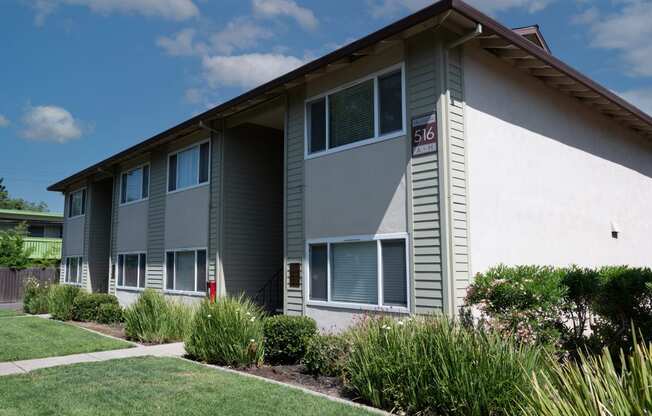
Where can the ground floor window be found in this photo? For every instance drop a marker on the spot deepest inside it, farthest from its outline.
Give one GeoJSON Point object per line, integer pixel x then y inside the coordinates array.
{"type": "Point", "coordinates": [368, 272]}
{"type": "Point", "coordinates": [73, 270]}
{"type": "Point", "coordinates": [186, 270]}
{"type": "Point", "coordinates": [131, 270]}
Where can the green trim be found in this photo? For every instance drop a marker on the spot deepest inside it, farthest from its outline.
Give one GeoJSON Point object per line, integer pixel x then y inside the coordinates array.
{"type": "Point", "coordinates": [30, 214]}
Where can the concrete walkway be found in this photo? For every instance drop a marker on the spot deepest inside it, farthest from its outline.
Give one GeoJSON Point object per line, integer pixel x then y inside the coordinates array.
{"type": "Point", "coordinates": [25, 366]}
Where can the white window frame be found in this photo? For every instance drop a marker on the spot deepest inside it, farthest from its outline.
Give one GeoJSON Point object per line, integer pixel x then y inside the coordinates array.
{"type": "Point", "coordinates": [84, 201]}
{"type": "Point", "coordinates": [80, 265]}
{"type": "Point", "coordinates": [176, 152]}
{"type": "Point", "coordinates": [377, 136]}
{"type": "Point", "coordinates": [165, 273]}
{"type": "Point", "coordinates": [379, 238]}
{"type": "Point", "coordinates": [117, 266]}
{"type": "Point", "coordinates": [149, 181]}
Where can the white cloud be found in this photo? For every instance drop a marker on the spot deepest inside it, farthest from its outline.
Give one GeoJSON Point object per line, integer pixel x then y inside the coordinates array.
{"type": "Point", "coordinates": [627, 32]}
{"type": "Point", "coordinates": [180, 44]}
{"type": "Point", "coordinates": [389, 8]}
{"type": "Point", "coordinates": [642, 98]}
{"type": "Point", "coordinates": [167, 9]}
{"type": "Point", "coordinates": [193, 95]}
{"type": "Point", "coordinates": [274, 8]}
{"type": "Point", "coordinates": [246, 70]}
{"type": "Point", "coordinates": [4, 121]}
{"type": "Point", "coordinates": [239, 33]}
{"type": "Point", "coordinates": [50, 123]}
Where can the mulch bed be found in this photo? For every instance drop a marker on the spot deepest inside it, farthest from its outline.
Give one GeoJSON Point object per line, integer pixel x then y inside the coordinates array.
{"type": "Point", "coordinates": [116, 330]}
{"type": "Point", "coordinates": [295, 374]}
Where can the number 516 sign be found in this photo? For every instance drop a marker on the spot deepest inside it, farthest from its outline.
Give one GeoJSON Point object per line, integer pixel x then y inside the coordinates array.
{"type": "Point", "coordinates": [424, 134]}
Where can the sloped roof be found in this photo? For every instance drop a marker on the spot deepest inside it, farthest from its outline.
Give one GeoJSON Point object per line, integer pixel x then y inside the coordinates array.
{"type": "Point", "coordinates": [20, 214]}
{"type": "Point", "coordinates": [496, 38]}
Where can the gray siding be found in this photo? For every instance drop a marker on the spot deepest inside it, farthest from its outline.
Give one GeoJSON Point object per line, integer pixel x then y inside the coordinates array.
{"type": "Point", "coordinates": [294, 202]}
{"type": "Point", "coordinates": [114, 231]}
{"type": "Point", "coordinates": [156, 221]}
{"type": "Point", "coordinates": [422, 99]}
{"type": "Point", "coordinates": [253, 208]}
{"type": "Point", "coordinates": [214, 215]}
{"type": "Point", "coordinates": [458, 173]}
{"type": "Point", "coordinates": [99, 234]}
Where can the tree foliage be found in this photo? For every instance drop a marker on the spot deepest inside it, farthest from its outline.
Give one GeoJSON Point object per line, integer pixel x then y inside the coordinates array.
{"type": "Point", "coordinates": [12, 251]}
{"type": "Point", "coordinates": [7, 202]}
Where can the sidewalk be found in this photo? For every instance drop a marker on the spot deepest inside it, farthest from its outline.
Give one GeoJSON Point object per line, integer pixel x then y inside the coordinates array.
{"type": "Point", "coordinates": [25, 366]}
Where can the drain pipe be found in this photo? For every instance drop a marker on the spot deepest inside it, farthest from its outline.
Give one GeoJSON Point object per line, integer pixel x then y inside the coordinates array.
{"type": "Point", "coordinates": [469, 36]}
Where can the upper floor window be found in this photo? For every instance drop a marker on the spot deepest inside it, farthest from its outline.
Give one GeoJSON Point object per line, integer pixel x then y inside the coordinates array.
{"type": "Point", "coordinates": [370, 109]}
{"type": "Point", "coordinates": [135, 185]}
{"type": "Point", "coordinates": [77, 203]}
{"type": "Point", "coordinates": [188, 167]}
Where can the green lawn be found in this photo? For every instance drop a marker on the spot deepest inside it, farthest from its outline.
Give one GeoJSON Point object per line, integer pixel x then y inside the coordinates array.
{"type": "Point", "coordinates": [9, 312]}
{"type": "Point", "coordinates": [23, 338]}
{"type": "Point", "coordinates": [154, 386]}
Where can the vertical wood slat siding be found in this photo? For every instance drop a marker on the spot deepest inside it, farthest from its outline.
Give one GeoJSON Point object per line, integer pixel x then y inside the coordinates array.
{"type": "Point", "coordinates": [156, 221]}
{"type": "Point", "coordinates": [294, 194]}
{"type": "Point", "coordinates": [114, 229]}
{"type": "Point", "coordinates": [99, 232]}
{"type": "Point", "coordinates": [422, 96]}
{"type": "Point", "coordinates": [214, 207]}
{"type": "Point", "coordinates": [457, 171]}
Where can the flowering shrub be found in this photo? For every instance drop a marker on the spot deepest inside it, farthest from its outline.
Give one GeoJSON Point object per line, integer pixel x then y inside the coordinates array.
{"type": "Point", "coordinates": [35, 299]}
{"type": "Point", "coordinates": [227, 332]}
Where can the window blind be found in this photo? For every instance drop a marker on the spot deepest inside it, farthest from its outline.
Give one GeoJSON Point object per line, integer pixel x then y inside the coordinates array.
{"type": "Point", "coordinates": [394, 277]}
{"type": "Point", "coordinates": [351, 114]}
{"type": "Point", "coordinates": [354, 272]}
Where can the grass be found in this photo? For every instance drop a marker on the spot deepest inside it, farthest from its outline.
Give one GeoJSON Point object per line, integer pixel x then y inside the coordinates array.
{"type": "Point", "coordinates": [24, 338]}
{"type": "Point", "coordinates": [9, 312]}
{"type": "Point", "coordinates": [148, 386]}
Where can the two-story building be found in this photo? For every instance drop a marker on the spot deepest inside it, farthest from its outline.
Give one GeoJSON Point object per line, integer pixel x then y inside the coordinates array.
{"type": "Point", "coordinates": [379, 177]}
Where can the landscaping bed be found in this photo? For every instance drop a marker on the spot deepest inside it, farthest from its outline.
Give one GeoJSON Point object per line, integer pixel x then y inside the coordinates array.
{"type": "Point", "coordinates": [114, 330]}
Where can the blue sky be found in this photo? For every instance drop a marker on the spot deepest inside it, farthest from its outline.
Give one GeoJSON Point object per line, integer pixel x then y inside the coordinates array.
{"type": "Point", "coordinates": [83, 79]}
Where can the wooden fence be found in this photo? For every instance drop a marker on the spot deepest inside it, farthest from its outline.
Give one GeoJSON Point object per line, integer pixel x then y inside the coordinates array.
{"type": "Point", "coordinates": [12, 281]}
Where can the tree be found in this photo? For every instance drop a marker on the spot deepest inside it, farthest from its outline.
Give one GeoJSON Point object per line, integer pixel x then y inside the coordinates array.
{"type": "Point", "coordinates": [12, 252]}
{"type": "Point", "coordinates": [7, 202]}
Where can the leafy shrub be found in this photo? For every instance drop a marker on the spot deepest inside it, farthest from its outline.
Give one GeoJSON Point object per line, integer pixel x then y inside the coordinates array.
{"type": "Point", "coordinates": [13, 253]}
{"type": "Point", "coordinates": [286, 338]}
{"type": "Point", "coordinates": [434, 366]}
{"type": "Point", "coordinates": [36, 296]}
{"type": "Point", "coordinates": [154, 319]}
{"type": "Point", "coordinates": [228, 332]}
{"type": "Point", "coordinates": [109, 313]}
{"type": "Point", "coordinates": [61, 301]}
{"type": "Point", "coordinates": [594, 386]}
{"type": "Point", "coordinates": [326, 355]}
{"type": "Point", "coordinates": [87, 305]}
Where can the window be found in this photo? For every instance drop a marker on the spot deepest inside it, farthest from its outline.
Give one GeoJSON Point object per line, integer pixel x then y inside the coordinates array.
{"type": "Point", "coordinates": [367, 273]}
{"type": "Point", "coordinates": [186, 270]}
{"type": "Point", "coordinates": [368, 110]}
{"type": "Point", "coordinates": [188, 167]}
{"type": "Point", "coordinates": [73, 270]}
{"type": "Point", "coordinates": [36, 230]}
{"type": "Point", "coordinates": [135, 185]}
{"type": "Point", "coordinates": [132, 270]}
{"type": "Point", "coordinates": [77, 203]}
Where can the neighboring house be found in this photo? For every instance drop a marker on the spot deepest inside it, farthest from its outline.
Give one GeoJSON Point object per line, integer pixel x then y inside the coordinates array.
{"type": "Point", "coordinates": [44, 231]}
{"type": "Point", "coordinates": [380, 177]}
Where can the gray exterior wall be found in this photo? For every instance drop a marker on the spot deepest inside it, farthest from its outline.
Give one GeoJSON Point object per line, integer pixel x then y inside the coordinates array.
{"type": "Point", "coordinates": [186, 218]}
{"type": "Point", "coordinates": [253, 208]}
{"type": "Point", "coordinates": [99, 232]}
{"type": "Point", "coordinates": [75, 236]}
{"type": "Point", "coordinates": [131, 232]}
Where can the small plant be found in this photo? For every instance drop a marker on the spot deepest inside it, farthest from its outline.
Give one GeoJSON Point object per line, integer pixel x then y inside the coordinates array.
{"type": "Point", "coordinates": [434, 366]}
{"type": "Point", "coordinates": [228, 332]}
{"type": "Point", "coordinates": [326, 355]}
{"type": "Point", "coordinates": [154, 319]}
{"type": "Point", "coordinates": [61, 301]}
{"type": "Point", "coordinates": [87, 305]}
{"type": "Point", "coordinates": [286, 338]}
{"type": "Point", "coordinates": [36, 297]}
{"type": "Point", "coordinates": [109, 313]}
{"type": "Point", "coordinates": [594, 386]}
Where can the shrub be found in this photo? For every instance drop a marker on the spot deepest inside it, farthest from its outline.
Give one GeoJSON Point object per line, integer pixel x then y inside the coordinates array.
{"type": "Point", "coordinates": [36, 296]}
{"type": "Point", "coordinates": [594, 386]}
{"type": "Point", "coordinates": [61, 301]}
{"type": "Point", "coordinates": [228, 332]}
{"type": "Point", "coordinates": [109, 313]}
{"type": "Point", "coordinates": [87, 305]}
{"type": "Point", "coordinates": [326, 355]}
{"type": "Point", "coordinates": [433, 366]}
{"type": "Point", "coordinates": [154, 319]}
{"type": "Point", "coordinates": [286, 338]}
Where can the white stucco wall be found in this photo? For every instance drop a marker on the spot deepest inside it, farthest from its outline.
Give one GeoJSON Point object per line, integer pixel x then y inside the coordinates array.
{"type": "Point", "coordinates": [548, 175]}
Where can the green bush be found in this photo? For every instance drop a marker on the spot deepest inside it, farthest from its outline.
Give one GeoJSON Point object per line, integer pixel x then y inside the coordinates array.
{"type": "Point", "coordinates": [36, 296]}
{"type": "Point", "coordinates": [61, 301]}
{"type": "Point", "coordinates": [326, 355]}
{"type": "Point", "coordinates": [109, 313]}
{"type": "Point", "coordinates": [286, 338]}
{"type": "Point", "coordinates": [154, 319]}
{"type": "Point", "coordinates": [594, 386]}
{"type": "Point", "coordinates": [433, 366]}
{"type": "Point", "coordinates": [87, 305]}
{"type": "Point", "coordinates": [228, 332]}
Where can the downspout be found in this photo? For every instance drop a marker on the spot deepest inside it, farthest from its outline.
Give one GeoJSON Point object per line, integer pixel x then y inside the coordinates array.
{"type": "Point", "coordinates": [448, 214]}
